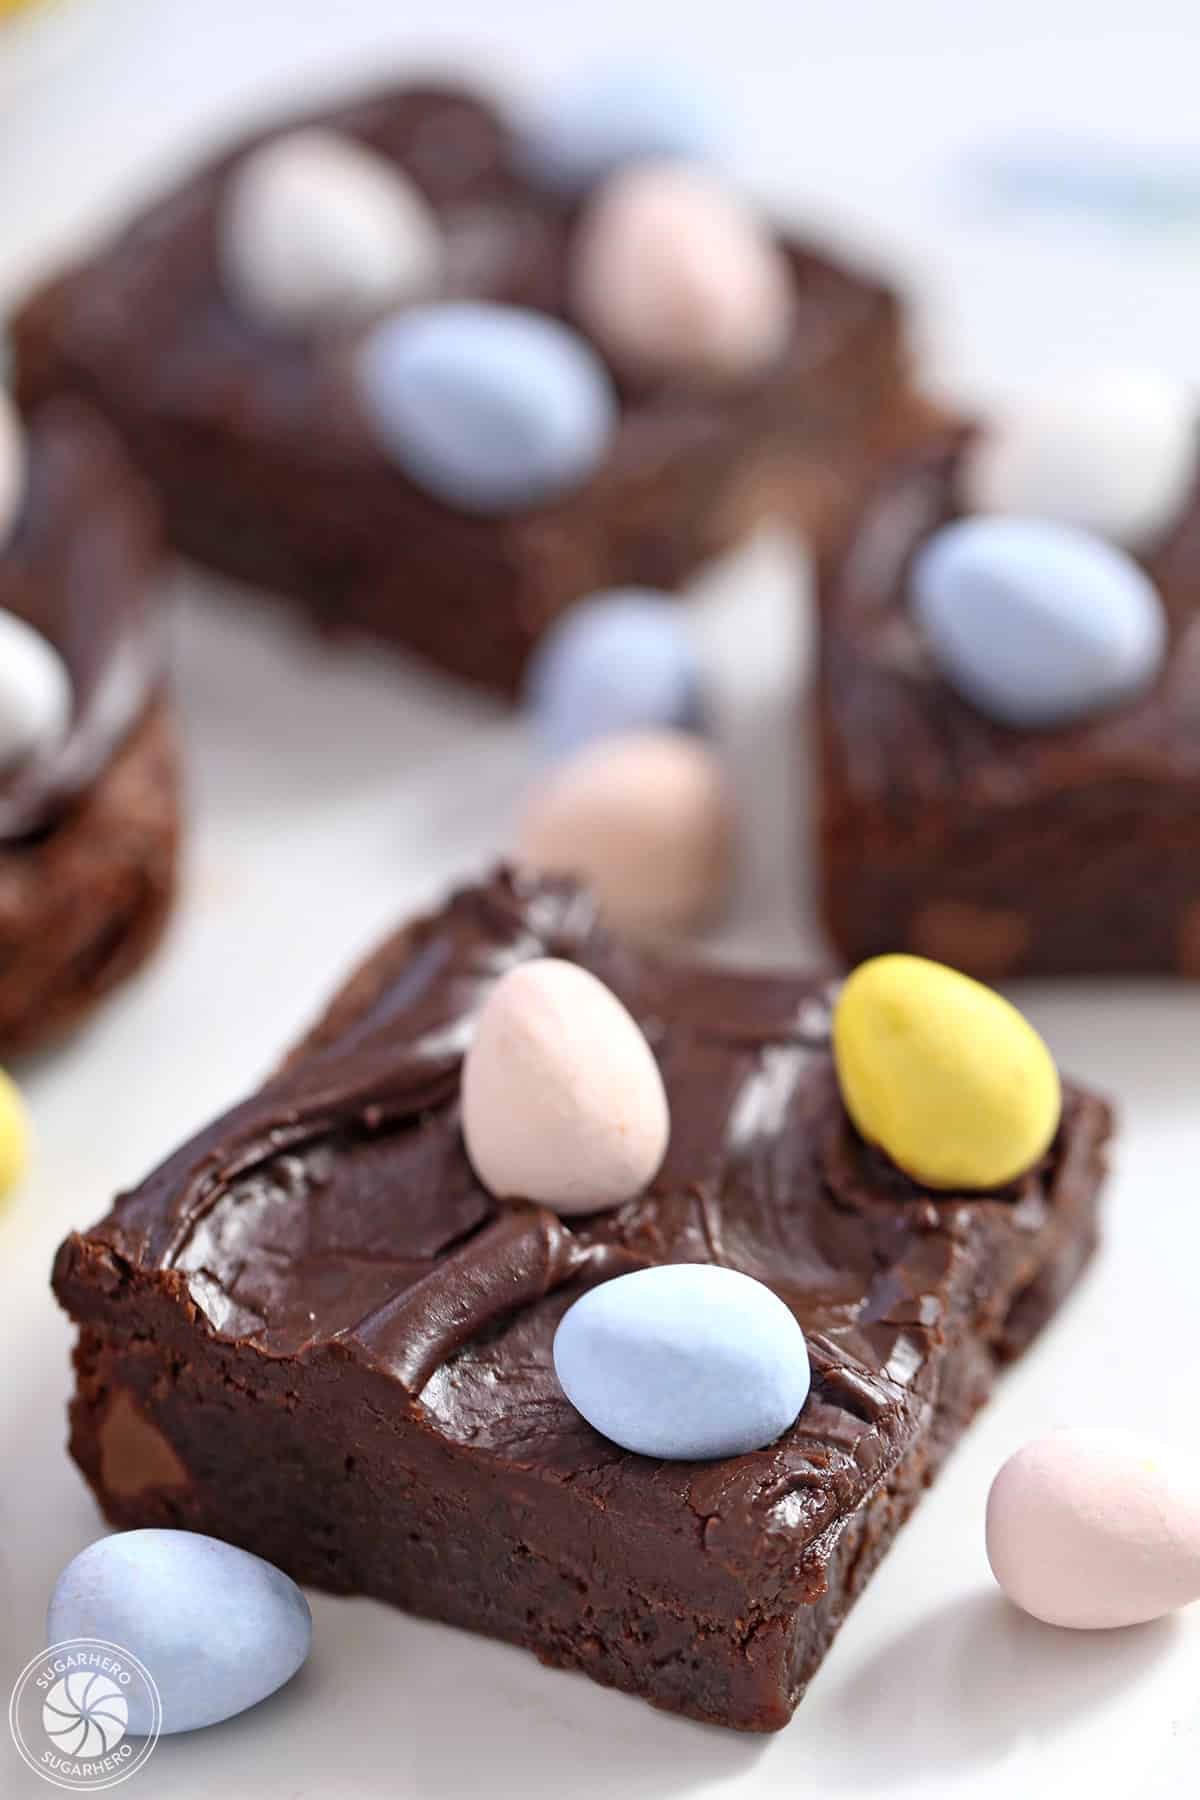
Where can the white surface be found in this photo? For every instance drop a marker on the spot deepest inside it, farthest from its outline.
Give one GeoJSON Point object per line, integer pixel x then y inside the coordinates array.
{"type": "Point", "coordinates": [332, 792]}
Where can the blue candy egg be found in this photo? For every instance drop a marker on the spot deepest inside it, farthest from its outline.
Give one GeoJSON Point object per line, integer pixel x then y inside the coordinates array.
{"type": "Point", "coordinates": [1037, 624]}
{"type": "Point", "coordinates": [619, 661]}
{"type": "Point", "coordinates": [217, 1628]}
{"type": "Point", "coordinates": [586, 130]}
{"type": "Point", "coordinates": [489, 408]}
{"type": "Point", "coordinates": [684, 1362]}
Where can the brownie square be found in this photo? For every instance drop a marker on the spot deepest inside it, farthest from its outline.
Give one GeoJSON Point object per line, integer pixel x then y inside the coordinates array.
{"type": "Point", "coordinates": [269, 471]}
{"type": "Point", "coordinates": [1057, 852]}
{"type": "Point", "coordinates": [311, 1332]}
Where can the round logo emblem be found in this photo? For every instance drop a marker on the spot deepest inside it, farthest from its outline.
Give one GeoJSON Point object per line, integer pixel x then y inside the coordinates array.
{"type": "Point", "coordinates": [85, 1714]}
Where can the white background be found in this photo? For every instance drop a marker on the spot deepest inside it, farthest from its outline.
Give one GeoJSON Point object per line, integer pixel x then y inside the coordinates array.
{"type": "Point", "coordinates": [332, 792]}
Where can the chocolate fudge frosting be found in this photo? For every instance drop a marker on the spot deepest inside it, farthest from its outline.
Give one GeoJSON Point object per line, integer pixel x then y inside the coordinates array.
{"type": "Point", "coordinates": [335, 1216]}
{"type": "Point", "coordinates": [80, 567]}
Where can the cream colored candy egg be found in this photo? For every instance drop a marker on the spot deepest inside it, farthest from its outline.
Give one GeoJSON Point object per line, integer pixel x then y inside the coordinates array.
{"type": "Point", "coordinates": [1096, 1527]}
{"type": "Point", "coordinates": [12, 468]}
{"type": "Point", "coordinates": [1114, 452]}
{"type": "Point", "coordinates": [35, 693]}
{"type": "Point", "coordinates": [562, 1100]}
{"type": "Point", "coordinates": [14, 1135]}
{"type": "Point", "coordinates": [317, 229]}
{"type": "Point", "coordinates": [645, 819]}
{"type": "Point", "coordinates": [674, 275]}
{"type": "Point", "coordinates": [943, 1075]}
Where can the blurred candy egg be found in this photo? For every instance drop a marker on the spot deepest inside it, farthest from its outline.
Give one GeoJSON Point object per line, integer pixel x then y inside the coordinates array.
{"type": "Point", "coordinates": [943, 1075]}
{"type": "Point", "coordinates": [562, 1100]}
{"type": "Point", "coordinates": [317, 229]}
{"type": "Point", "coordinates": [687, 1361]}
{"type": "Point", "coordinates": [1037, 624]}
{"type": "Point", "coordinates": [217, 1628]}
{"type": "Point", "coordinates": [14, 1135]}
{"type": "Point", "coordinates": [673, 275]}
{"type": "Point", "coordinates": [1096, 1527]}
{"type": "Point", "coordinates": [12, 468]}
{"type": "Point", "coordinates": [35, 693]}
{"type": "Point", "coordinates": [645, 819]}
{"type": "Point", "coordinates": [616, 662]}
{"type": "Point", "coordinates": [490, 408]}
{"type": "Point", "coordinates": [1114, 453]}
{"type": "Point", "coordinates": [583, 132]}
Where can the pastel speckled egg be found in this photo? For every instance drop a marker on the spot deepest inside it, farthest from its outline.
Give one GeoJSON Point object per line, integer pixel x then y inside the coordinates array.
{"type": "Point", "coordinates": [583, 132]}
{"type": "Point", "coordinates": [1096, 1527]}
{"type": "Point", "coordinates": [1037, 625]}
{"type": "Point", "coordinates": [946, 1077]}
{"type": "Point", "coordinates": [616, 662]}
{"type": "Point", "coordinates": [1113, 452]}
{"type": "Point", "coordinates": [217, 1628]}
{"type": "Point", "coordinates": [489, 408]}
{"type": "Point", "coordinates": [12, 468]}
{"type": "Point", "coordinates": [316, 229]}
{"type": "Point", "coordinates": [684, 1362]}
{"type": "Point", "coordinates": [674, 275]}
{"type": "Point", "coordinates": [645, 819]}
{"type": "Point", "coordinates": [562, 1100]}
{"type": "Point", "coordinates": [14, 1135]}
{"type": "Point", "coordinates": [35, 692]}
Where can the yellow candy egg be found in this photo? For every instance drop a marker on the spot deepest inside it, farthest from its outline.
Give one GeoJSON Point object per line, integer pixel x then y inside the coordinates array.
{"type": "Point", "coordinates": [14, 1135]}
{"type": "Point", "coordinates": [943, 1075]}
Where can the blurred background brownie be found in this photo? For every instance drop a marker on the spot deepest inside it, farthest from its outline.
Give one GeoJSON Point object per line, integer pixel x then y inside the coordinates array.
{"type": "Point", "coordinates": [89, 799]}
{"type": "Point", "coordinates": [271, 468]}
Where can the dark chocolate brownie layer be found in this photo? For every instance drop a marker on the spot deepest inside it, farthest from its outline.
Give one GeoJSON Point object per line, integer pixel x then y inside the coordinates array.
{"type": "Point", "coordinates": [1004, 852]}
{"type": "Point", "coordinates": [311, 1331]}
{"type": "Point", "coordinates": [269, 471]}
{"type": "Point", "coordinates": [89, 832]}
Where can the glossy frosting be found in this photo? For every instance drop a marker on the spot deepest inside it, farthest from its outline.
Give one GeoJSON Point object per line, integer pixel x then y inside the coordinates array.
{"type": "Point", "coordinates": [335, 1214]}
{"type": "Point", "coordinates": [80, 568]}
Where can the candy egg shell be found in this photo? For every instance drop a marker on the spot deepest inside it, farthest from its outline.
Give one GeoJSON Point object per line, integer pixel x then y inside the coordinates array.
{"type": "Point", "coordinates": [489, 408]}
{"type": "Point", "coordinates": [217, 1628]}
{"type": "Point", "coordinates": [673, 275]}
{"type": "Point", "coordinates": [12, 468]}
{"type": "Point", "coordinates": [583, 132]}
{"type": "Point", "coordinates": [943, 1075]}
{"type": "Point", "coordinates": [14, 1135]}
{"type": "Point", "coordinates": [645, 819]}
{"type": "Point", "coordinates": [1114, 453]}
{"type": "Point", "coordinates": [562, 1100]}
{"type": "Point", "coordinates": [1037, 624]}
{"type": "Point", "coordinates": [1096, 1527]}
{"type": "Point", "coordinates": [317, 229]}
{"type": "Point", "coordinates": [35, 692]}
{"type": "Point", "coordinates": [684, 1362]}
{"type": "Point", "coordinates": [616, 662]}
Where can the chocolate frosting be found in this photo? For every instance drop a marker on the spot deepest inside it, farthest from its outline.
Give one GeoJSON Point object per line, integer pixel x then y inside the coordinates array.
{"type": "Point", "coordinates": [335, 1214]}
{"type": "Point", "coordinates": [79, 567]}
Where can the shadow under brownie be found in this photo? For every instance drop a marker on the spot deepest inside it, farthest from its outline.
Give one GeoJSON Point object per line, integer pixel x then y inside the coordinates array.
{"type": "Point", "coordinates": [1070, 851]}
{"type": "Point", "coordinates": [313, 1333]}
{"type": "Point", "coordinates": [269, 472]}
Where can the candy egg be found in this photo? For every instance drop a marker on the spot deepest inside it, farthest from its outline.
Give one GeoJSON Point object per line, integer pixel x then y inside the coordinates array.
{"type": "Point", "coordinates": [616, 662]}
{"type": "Point", "coordinates": [645, 819]}
{"type": "Point", "coordinates": [943, 1075]}
{"type": "Point", "coordinates": [35, 692]}
{"type": "Point", "coordinates": [12, 468]}
{"type": "Point", "coordinates": [684, 1362]}
{"type": "Point", "coordinates": [316, 229]}
{"type": "Point", "coordinates": [1037, 624]}
{"type": "Point", "coordinates": [673, 275]}
{"type": "Point", "coordinates": [490, 408]}
{"type": "Point", "coordinates": [562, 1101]}
{"type": "Point", "coordinates": [14, 1135]}
{"type": "Point", "coordinates": [1096, 1527]}
{"type": "Point", "coordinates": [1114, 453]}
{"type": "Point", "coordinates": [581, 133]}
{"type": "Point", "coordinates": [217, 1628]}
